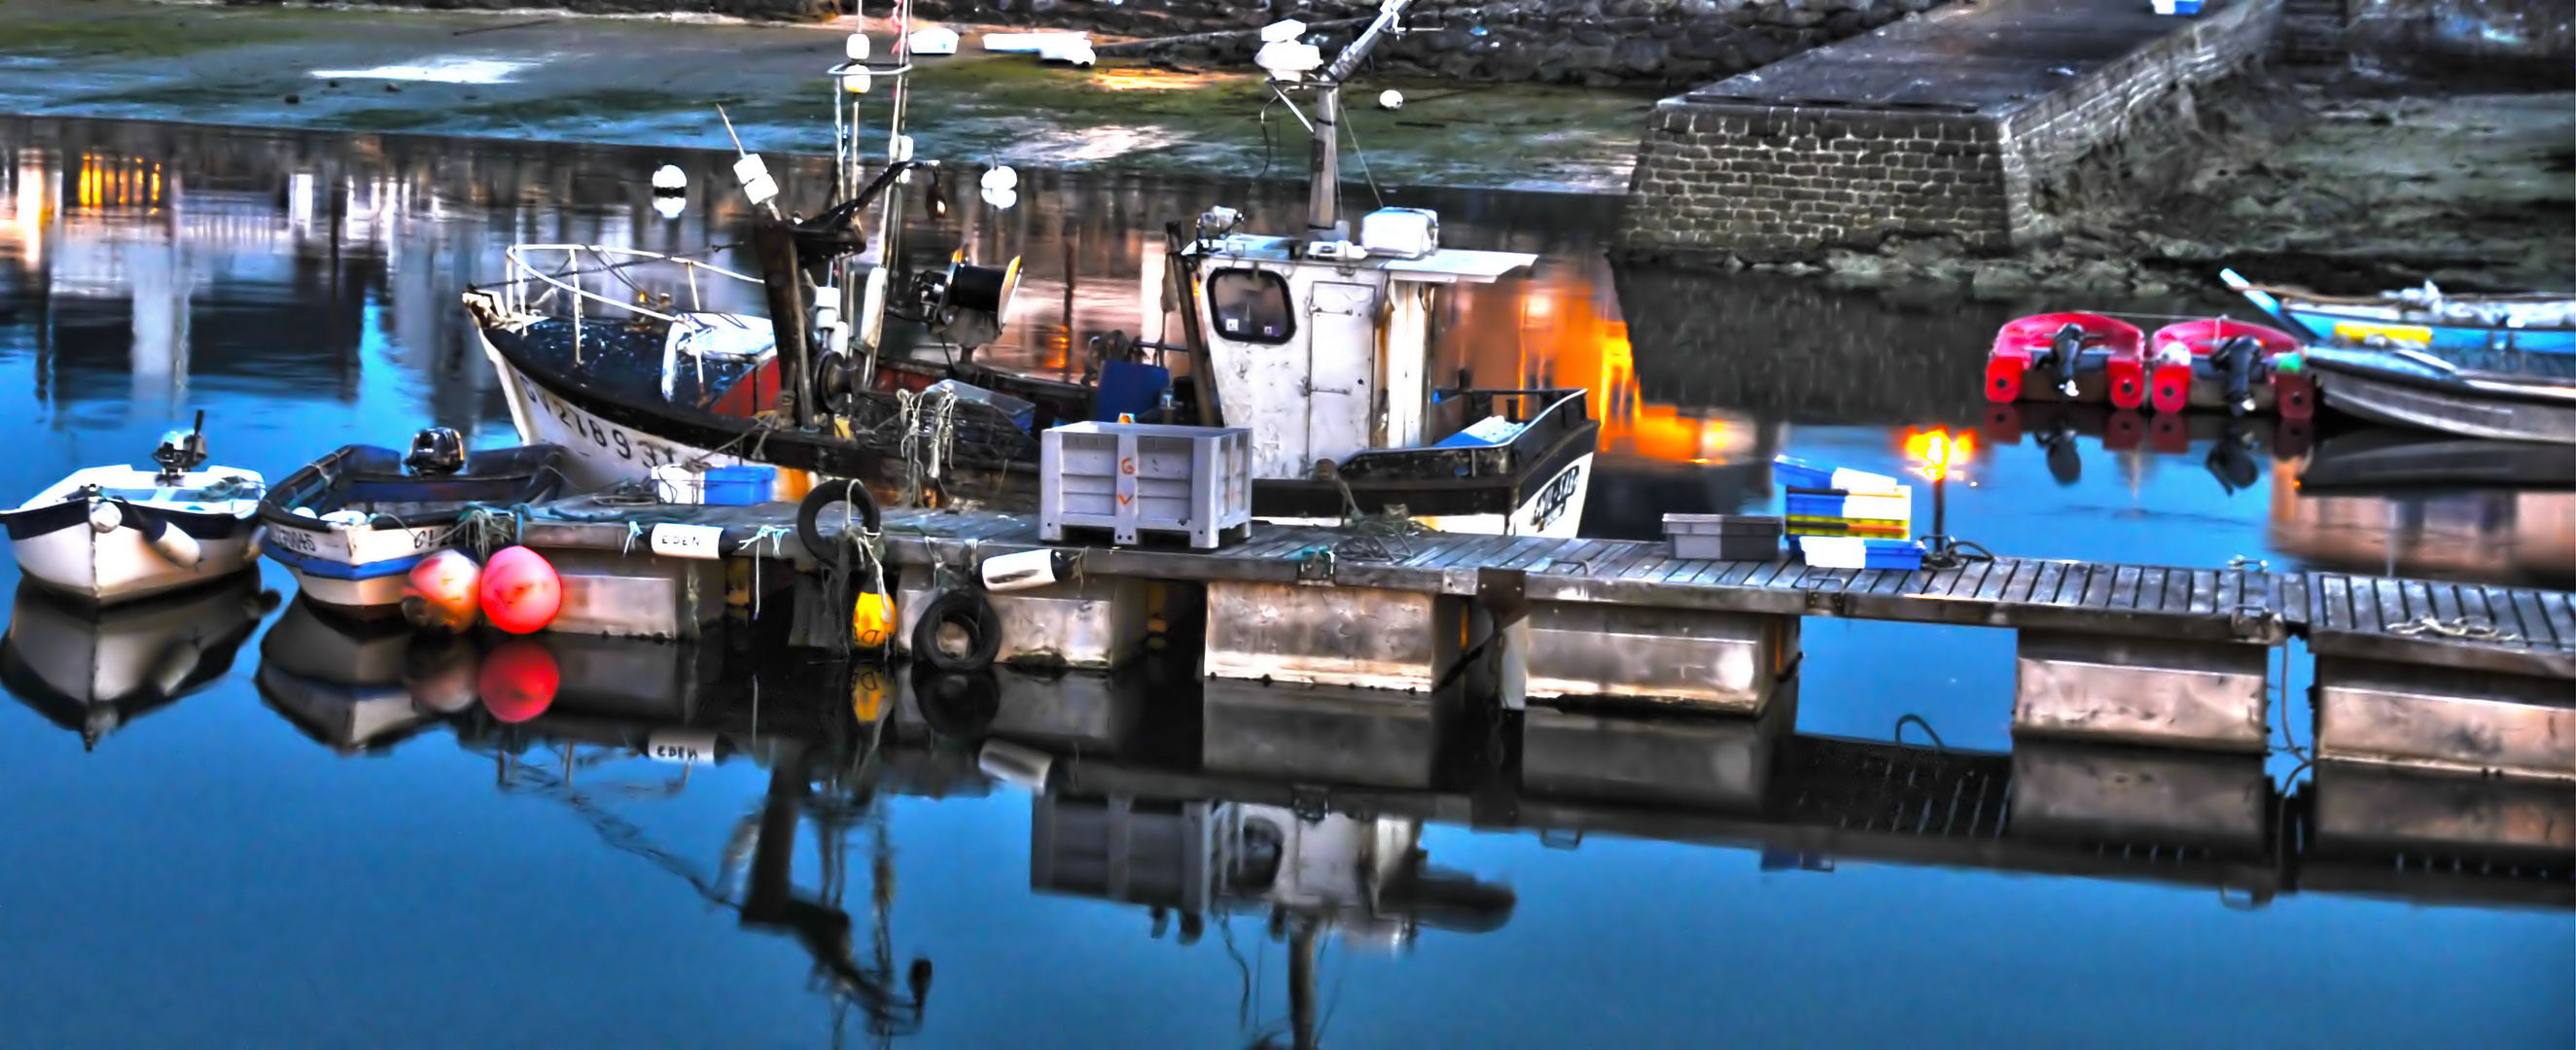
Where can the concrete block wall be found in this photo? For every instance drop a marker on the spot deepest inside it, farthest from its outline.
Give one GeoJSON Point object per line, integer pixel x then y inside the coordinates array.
{"type": "Point", "coordinates": [1721, 176]}
{"type": "Point", "coordinates": [1774, 182]}
{"type": "Point", "coordinates": [2044, 137]}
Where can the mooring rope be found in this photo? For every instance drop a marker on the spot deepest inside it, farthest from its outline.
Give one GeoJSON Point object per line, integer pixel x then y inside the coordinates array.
{"type": "Point", "coordinates": [941, 427]}
{"type": "Point", "coordinates": [2460, 627]}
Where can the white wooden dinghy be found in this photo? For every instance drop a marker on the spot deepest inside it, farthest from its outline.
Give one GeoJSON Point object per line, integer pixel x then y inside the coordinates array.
{"type": "Point", "coordinates": [114, 534]}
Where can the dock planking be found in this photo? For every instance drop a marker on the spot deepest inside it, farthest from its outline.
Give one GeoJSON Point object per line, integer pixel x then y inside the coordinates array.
{"type": "Point", "coordinates": [2508, 630]}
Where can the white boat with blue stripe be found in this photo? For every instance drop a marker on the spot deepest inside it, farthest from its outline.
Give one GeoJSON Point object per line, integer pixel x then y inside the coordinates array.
{"type": "Point", "coordinates": [351, 525]}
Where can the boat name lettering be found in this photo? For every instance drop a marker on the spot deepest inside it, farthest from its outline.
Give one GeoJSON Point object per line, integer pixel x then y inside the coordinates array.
{"type": "Point", "coordinates": [297, 540]}
{"type": "Point", "coordinates": [1552, 501]}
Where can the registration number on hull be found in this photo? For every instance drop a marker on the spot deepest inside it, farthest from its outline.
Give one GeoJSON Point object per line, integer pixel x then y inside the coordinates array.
{"type": "Point", "coordinates": [604, 439]}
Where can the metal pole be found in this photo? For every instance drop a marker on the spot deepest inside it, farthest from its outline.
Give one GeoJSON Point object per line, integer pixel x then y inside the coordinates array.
{"type": "Point", "coordinates": [1324, 171]}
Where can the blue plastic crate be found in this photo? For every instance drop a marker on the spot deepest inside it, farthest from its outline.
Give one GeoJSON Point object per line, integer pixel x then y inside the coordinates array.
{"type": "Point", "coordinates": [739, 486]}
{"type": "Point", "coordinates": [1855, 552]}
{"type": "Point", "coordinates": [1791, 472]}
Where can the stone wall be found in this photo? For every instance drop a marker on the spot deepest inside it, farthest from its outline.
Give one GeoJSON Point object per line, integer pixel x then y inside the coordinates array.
{"type": "Point", "coordinates": [2155, 87]}
{"type": "Point", "coordinates": [1598, 43]}
{"type": "Point", "coordinates": [1728, 173]}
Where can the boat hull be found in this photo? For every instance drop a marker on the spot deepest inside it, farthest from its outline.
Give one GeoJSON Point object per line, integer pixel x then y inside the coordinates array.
{"type": "Point", "coordinates": [2395, 392]}
{"type": "Point", "coordinates": [120, 565]}
{"type": "Point", "coordinates": [355, 570]}
{"type": "Point", "coordinates": [1553, 509]}
{"type": "Point", "coordinates": [599, 452]}
{"type": "Point", "coordinates": [2329, 325]}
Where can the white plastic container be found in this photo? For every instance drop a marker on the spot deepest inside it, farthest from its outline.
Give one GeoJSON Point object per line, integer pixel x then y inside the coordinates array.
{"type": "Point", "coordinates": [679, 483]}
{"type": "Point", "coordinates": [1133, 478]}
{"type": "Point", "coordinates": [1406, 233]}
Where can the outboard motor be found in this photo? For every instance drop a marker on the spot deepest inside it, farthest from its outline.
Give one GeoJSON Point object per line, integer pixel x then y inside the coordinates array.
{"type": "Point", "coordinates": [436, 452]}
{"type": "Point", "coordinates": [2237, 360]}
{"type": "Point", "coordinates": [181, 451]}
{"type": "Point", "coordinates": [2063, 349]}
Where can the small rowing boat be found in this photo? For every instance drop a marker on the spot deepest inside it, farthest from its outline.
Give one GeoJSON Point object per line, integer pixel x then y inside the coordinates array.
{"type": "Point", "coordinates": [2425, 318]}
{"type": "Point", "coordinates": [351, 525]}
{"type": "Point", "coordinates": [113, 534]}
{"type": "Point", "coordinates": [2498, 396]}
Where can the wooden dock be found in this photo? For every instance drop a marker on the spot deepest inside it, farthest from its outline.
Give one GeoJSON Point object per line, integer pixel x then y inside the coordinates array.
{"type": "Point", "coordinates": [2367, 617]}
{"type": "Point", "coordinates": [2403, 665]}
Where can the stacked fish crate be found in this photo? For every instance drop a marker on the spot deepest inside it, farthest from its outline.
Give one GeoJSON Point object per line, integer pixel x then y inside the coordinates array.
{"type": "Point", "coordinates": [1849, 519]}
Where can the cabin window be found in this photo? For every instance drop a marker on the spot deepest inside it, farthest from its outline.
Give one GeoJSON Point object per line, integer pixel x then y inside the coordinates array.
{"type": "Point", "coordinates": [1251, 306]}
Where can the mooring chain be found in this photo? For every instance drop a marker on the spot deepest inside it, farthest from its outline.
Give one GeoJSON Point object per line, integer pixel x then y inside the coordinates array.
{"type": "Point", "coordinates": [2460, 627]}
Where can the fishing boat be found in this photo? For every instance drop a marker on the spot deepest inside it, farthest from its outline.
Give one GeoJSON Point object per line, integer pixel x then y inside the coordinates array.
{"type": "Point", "coordinates": [2425, 318]}
{"type": "Point", "coordinates": [2499, 395]}
{"type": "Point", "coordinates": [352, 524]}
{"type": "Point", "coordinates": [118, 533]}
{"type": "Point", "coordinates": [2228, 364]}
{"type": "Point", "coordinates": [2075, 356]}
{"type": "Point", "coordinates": [92, 669]}
{"type": "Point", "coordinates": [1318, 342]}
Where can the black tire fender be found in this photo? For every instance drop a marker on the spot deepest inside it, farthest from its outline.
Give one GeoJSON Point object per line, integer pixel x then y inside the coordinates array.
{"type": "Point", "coordinates": [809, 514]}
{"type": "Point", "coordinates": [969, 611]}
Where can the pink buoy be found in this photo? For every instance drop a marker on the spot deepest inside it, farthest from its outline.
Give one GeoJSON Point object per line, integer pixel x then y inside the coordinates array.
{"type": "Point", "coordinates": [443, 592]}
{"type": "Point", "coordinates": [519, 679]}
{"type": "Point", "coordinates": [521, 592]}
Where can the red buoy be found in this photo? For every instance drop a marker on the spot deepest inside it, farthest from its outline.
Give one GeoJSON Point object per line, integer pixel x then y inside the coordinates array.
{"type": "Point", "coordinates": [443, 592]}
{"type": "Point", "coordinates": [521, 592]}
{"type": "Point", "coordinates": [519, 680]}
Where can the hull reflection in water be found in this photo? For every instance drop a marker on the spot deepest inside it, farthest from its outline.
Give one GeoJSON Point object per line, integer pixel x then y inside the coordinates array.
{"type": "Point", "coordinates": [360, 686]}
{"type": "Point", "coordinates": [91, 670]}
{"type": "Point", "coordinates": [2418, 504]}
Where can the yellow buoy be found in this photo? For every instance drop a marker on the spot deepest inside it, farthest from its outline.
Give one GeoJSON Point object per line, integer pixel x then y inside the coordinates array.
{"type": "Point", "coordinates": [872, 620]}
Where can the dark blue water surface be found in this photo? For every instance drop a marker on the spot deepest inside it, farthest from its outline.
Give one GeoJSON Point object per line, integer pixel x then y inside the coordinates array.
{"type": "Point", "coordinates": [250, 865]}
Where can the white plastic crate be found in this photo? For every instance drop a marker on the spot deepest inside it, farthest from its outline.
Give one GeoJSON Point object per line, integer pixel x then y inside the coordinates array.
{"type": "Point", "coordinates": [1133, 478]}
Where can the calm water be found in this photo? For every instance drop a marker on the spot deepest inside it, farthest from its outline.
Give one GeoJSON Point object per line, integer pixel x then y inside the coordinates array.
{"type": "Point", "coordinates": [294, 853]}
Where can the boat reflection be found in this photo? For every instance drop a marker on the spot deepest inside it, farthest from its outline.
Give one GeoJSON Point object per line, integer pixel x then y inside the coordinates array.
{"type": "Point", "coordinates": [355, 686]}
{"type": "Point", "coordinates": [2418, 504]}
{"type": "Point", "coordinates": [92, 670]}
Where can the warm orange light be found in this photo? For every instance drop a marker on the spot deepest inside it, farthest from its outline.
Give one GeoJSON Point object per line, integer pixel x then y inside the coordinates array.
{"type": "Point", "coordinates": [1939, 451]}
{"type": "Point", "coordinates": [1146, 78]}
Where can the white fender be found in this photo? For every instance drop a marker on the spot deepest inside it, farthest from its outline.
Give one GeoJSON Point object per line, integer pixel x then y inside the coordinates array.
{"type": "Point", "coordinates": [1024, 571]}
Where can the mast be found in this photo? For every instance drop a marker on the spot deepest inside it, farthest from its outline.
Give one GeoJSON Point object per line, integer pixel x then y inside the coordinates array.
{"type": "Point", "coordinates": [1324, 172]}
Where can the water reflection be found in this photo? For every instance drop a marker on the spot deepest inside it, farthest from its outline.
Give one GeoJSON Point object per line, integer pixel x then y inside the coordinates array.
{"type": "Point", "coordinates": [94, 670]}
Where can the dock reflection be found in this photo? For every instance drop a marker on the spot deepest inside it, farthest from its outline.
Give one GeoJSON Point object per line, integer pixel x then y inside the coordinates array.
{"type": "Point", "coordinates": [1308, 812]}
